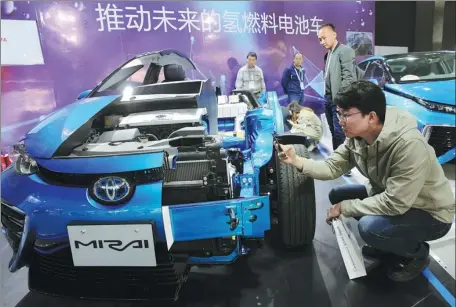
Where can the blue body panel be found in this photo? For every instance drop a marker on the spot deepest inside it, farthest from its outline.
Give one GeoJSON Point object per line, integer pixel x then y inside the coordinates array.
{"type": "Point", "coordinates": [434, 91]}
{"type": "Point", "coordinates": [448, 156]}
{"type": "Point", "coordinates": [208, 100]}
{"type": "Point", "coordinates": [209, 220]}
{"type": "Point", "coordinates": [51, 208]}
{"type": "Point", "coordinates": [45, 138]}
{"type": "Point", "coordinates": [259, 129]}
{"type": "Point", "coordinates": [273, 104]}
{"type": "Point", "coordinates": [423, 115]}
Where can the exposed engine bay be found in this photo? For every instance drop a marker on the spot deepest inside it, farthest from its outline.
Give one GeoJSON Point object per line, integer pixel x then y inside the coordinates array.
{"type": "Point", "coordinates": [196, 167]}
{"type": "Point", "coordinates": [145, 131]}
{"type": "Point", "coordinates": [149, 119]}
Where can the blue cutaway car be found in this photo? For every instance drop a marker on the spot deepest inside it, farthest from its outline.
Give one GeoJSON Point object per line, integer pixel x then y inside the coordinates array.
{"type": "Point", "coordinates": [119, 194]}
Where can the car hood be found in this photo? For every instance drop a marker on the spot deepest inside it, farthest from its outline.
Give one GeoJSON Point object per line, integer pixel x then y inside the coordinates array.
{"type": "Point", "coordinates": [433, 91]}
{"type": "Point", "coordinates": [45, 138]}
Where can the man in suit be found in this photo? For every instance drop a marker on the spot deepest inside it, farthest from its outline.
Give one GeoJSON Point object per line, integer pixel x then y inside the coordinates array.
{"type": "Point", "coordinates": [340, 71]}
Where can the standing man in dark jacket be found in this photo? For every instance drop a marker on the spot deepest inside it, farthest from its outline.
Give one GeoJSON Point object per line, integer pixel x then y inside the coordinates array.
{"type": "Point", "coordinates": [293, 80]}
{"type": "Point", "coordinates": [339, 73]}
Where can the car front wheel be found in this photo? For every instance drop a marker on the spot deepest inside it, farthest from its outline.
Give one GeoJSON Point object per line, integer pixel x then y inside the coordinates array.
{"type": "Point", "coordinates": [296, 203]}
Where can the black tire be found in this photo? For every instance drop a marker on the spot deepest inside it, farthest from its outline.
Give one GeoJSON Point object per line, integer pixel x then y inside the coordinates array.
{"type": "Point", "coordinates": [296, 203]}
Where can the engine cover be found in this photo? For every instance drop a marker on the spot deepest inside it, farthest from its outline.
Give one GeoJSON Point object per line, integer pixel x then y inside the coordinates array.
{"type": "Point", "coordinates": [163, 117]}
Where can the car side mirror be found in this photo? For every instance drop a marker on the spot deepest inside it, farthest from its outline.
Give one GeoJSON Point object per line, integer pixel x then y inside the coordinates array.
{"type": "Point", "coordinates": [84, 94]}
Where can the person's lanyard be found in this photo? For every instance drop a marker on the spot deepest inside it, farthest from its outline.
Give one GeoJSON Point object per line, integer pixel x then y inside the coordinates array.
{"type": "Point", "coordinates": [300, 76]}
{"type": "Point", "coordinates": [327, 64]}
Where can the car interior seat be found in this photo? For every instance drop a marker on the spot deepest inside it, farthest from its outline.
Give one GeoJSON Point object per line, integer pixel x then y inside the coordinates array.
{"type": "Point", "coordinates": [424, 71]}
{"type": "Point", "coordinates": [173, 72]}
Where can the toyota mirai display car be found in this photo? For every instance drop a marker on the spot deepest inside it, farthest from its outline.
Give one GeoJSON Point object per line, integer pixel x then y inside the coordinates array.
{"type": "Point", "coordinates": [118, 194]}
{"type": "Point", "coordinates": [423, 83]}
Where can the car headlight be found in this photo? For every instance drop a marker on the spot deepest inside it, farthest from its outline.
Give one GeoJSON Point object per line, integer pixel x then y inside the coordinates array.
{"type": "Point", "coordinates": [24, 165]}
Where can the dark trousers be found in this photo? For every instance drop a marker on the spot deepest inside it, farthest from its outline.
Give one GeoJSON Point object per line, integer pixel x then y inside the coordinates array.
{"type": "Point", "coordinates": [403, 235]}
{"type": "Point", "coordinates": [338, 135]}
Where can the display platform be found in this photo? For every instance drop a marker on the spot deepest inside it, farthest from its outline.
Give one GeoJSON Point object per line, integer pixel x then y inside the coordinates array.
{"type": "Point", "coordinates": [273, 277]}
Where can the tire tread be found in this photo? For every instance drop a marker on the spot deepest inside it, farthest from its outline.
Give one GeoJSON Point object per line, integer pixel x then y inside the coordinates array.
{"type": "Point", "coordinates": [297, 209]}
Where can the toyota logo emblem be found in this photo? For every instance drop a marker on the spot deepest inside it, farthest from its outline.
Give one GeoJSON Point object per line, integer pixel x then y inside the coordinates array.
{"type": "Point", "coordinates": [111, 189]}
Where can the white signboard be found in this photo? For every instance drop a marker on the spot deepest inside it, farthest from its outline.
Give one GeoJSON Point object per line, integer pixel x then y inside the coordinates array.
{"type": "Point", "coordinates": [126, 245]}
{"type": "Point", "coordinates": [349, 248]}
{"type": "Point", "coordinates": [20, 43]}
{"type": "Point", "coordinates": [387, 50]}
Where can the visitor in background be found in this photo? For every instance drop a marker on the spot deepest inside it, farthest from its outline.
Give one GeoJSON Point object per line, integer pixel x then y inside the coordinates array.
{"type": "Point", "coordinates": [293, 80]}
{"type": "Point", "coordinates": [250, 76]}
{"type": "Point", "coordinates": [304, 121]}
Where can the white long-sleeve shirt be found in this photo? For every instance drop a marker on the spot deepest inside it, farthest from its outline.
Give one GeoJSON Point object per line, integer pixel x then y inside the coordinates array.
{"type": "Point", "coordinates": [250, 79]}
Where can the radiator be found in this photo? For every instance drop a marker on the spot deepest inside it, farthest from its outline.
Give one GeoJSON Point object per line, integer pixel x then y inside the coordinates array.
{"type": "Point", "coordinates": [187, 171]}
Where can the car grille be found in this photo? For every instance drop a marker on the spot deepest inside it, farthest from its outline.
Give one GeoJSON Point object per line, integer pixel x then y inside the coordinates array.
{"type": "Point", "coordinates": [55, 274]}
{"type": "Point", "coordinates": [442, 139]}
{"type": "Point", "coordinates": [13, 221]}
{"type": "Point", "coordinates": [87, 180]}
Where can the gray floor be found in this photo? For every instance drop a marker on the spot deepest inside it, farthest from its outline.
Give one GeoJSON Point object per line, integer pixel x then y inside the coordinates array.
{"type": "Point", "coordinates": [269, 277]}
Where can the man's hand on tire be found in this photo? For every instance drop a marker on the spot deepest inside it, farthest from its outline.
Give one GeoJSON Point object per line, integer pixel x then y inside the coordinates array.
{"type": "Point", "coordinates": [287, 155]}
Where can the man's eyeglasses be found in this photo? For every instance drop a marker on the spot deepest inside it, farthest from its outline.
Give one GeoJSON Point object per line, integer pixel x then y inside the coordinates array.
{"type": "Point", "coordinates": [343, 116]}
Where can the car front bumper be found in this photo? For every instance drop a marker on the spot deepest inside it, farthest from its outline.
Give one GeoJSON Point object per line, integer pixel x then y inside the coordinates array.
{"type": "Point", "coordinates": [37, 215]}
{"type": "Point", "coordinates": [442, 138]}
{"type": "Point", "coordinates": [437, 127]}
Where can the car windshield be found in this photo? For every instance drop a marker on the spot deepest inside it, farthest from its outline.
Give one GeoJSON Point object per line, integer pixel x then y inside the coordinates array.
{"type": "Point", "coordinates": [431, 66]}
{"type": "Point", "coordinates": [130, 75]}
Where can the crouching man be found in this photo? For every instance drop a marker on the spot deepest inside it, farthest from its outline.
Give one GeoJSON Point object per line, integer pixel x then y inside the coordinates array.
{"type": "Point", "coordinates": [407, 200]}
{"type": "Point", "coordinates": [303, 120]}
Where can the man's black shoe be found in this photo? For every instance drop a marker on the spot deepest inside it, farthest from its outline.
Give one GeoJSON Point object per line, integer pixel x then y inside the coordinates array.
{"type": "Point", "coordinates": [373, 257]}
{"type": "Point", "coordinates": [371, 264]}
{"type": "Point", "coordinates": [407, 270]}
{"type": "Point", "coordinates": [372, 252]}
